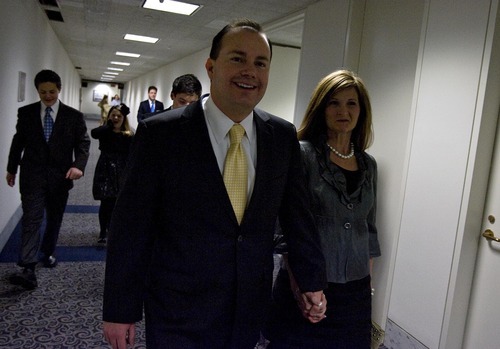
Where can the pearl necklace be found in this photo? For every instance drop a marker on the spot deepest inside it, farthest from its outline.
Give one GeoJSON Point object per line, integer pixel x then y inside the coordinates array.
{"type": "Point", "coordinates": [339, 154]}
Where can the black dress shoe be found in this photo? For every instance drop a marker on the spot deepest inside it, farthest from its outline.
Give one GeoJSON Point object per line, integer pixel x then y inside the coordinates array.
{"type": "Point", "coordinates": [26, 279]}
{"type": "Point", "coordinates": [49, 262]}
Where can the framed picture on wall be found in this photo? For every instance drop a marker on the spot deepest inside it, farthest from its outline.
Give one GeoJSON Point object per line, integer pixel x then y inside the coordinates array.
{"type": "Point", "coordinates": [21, 86]}
{"type": "Point", "coordinates": [97, 96]}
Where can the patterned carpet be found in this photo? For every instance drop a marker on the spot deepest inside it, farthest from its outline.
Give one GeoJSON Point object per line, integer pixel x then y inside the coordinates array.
{"type": "Point", "coordinates": [63, 312]}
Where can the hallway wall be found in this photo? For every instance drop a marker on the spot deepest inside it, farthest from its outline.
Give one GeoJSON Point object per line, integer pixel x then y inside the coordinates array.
{"type": "Point", "coordinates": [28, 44]}
{"type": "Point", "coordinates": [426, 65]}
{"type": "Point", "coordinates": [279, 98]}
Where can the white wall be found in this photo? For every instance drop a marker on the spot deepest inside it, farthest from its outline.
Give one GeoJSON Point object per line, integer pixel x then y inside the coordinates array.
{"type": "Point", "coordinates": [279, 98]}
{"type": "Point", "coordinates": [88, 105]}
{"type": "Point", "coordinates": [438, 187]}
{"type": "Point", "coordinates": [323, 48]}
{"type": "Point", "coordinates": [425, 64]}
{"type": "Point", "coordinates": [28, 44]}
{"type": "Point", "coordinates": [388, 64]}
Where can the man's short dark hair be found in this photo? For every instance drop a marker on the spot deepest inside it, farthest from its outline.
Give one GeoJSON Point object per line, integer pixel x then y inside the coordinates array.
{"type": "Point", "coordinates": [47, 76]}
{"type": "Point", "coordinates": [152, 88]}
{"type": "Point", "coordinates": [188, 84]}
{"type": "Point", "coordinates": [237, 23]}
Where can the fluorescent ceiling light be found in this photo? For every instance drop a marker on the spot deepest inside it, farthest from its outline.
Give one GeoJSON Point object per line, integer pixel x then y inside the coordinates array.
{"type": "Point", "coordinates": [115, 69]}
{"type": "Point", "coordinates": [181, 8]}
{"type": "Point", "coordinates": [127, 54]}
{"type": "Point", "coordinates": [111, 73]}
{"type": "Point", "coordinates": [141, 38]}
{"type": "Point", "coordinates": [120, 63]}
{"type": "Point", "coordinates": [108, 76]}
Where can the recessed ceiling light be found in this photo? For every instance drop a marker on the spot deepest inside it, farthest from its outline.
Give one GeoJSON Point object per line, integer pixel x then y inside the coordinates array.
{"type": "Point", "coordinates": [127, 54]}
{"type": "Point", "coordinates": [181, 8]}
{"type": "Point", "coordinates": [141, 38]}
{"type": "Point", "coordinates": [115, 69]}
{"type": "Point", "coordinates": [120, 63]}
{"type": "Point", "coordinates": [111, 73]}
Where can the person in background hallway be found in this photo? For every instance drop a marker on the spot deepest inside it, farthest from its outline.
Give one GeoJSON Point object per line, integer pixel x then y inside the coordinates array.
{"type": "Point", "coordinates": [342, 178]}
{"type": "Point", "coordinates": [198, 258]}
{"type": "Point", "coordinates": [150, 106]}
{"type": "Point", "coordinates": [115, 138]}
{"type": "Point", "coordinates": [186, 89]}
{"type": "Point", "coordinates": [105, 106]}
{"type": "Point", "coordinates": [115, 100]}
{"type": "Point", "coordinates": [51, 147]}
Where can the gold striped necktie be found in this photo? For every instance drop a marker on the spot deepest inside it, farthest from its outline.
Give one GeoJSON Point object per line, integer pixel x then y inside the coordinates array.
{"type": "Point", "coordinates": [236, 172]}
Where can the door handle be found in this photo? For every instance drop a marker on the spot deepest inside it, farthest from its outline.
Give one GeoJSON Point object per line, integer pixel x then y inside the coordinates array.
{"type": "Point", "coordinates": [490, 235]}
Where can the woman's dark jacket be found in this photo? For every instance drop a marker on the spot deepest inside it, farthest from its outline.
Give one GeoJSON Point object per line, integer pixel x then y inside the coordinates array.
{"type": "Point", "coordinates": [346, 222]}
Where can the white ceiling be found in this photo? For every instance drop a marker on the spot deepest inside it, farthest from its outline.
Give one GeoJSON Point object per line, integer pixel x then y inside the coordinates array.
{"type": "Point", "coordinates": [93, 30]}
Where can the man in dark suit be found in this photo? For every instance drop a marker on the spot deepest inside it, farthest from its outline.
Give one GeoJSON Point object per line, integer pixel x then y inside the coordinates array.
{"type": "Point", "coordinates": [150, 106]}
{"type": "Point", "coordinates": [177, 246]}
{"type": "Point", "coordinates": [51, 145]}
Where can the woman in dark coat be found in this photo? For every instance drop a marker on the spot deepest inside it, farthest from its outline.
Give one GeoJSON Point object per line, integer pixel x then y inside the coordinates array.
{"type": "Point", "coordinates": [115, 137]}
{"type": "Point", "coordinates": [342, 181]}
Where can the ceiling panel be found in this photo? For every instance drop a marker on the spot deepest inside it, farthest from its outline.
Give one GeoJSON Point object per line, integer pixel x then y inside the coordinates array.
{"type": "Point", "coordinates": [93, 30]}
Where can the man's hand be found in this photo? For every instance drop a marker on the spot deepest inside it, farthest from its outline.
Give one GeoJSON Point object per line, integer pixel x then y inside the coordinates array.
{"type": "Point", "coordinates": [119, 336]}
{"type": "Point", "coordinates": [11, 179]}
{"type": "Point", "coordinates": [312, 304]}
{"type": "Point", "coordinates": [74, 173]}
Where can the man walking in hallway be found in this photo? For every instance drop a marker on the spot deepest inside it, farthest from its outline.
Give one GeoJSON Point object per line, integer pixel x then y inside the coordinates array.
{"type": "Point", "coordinates": [150, 106]}
{"type": "Point", "coordinates": [190, 242]}
{"type": "Point", "coordinates": [51, 147]}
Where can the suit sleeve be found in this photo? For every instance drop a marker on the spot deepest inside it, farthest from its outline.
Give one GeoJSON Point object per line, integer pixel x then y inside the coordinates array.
{"type": "Point", "coordinates": [101, 131]}
{"type": "Point", "coordinates": [305, 256]}
{"type": "Point", "coordinates": [160, 107]}
{"type": "Point", "coordinates": [132, 233]}
{"type": "Point", "coordinates": [17, 146]}
{"type": "Point", "coordinates": [82, 143]}
{"type": "Point", "coordinates": [141, 112]}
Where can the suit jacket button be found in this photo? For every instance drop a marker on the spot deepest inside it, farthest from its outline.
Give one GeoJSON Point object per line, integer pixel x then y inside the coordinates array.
{"type": "Point", "coordinates": [240, 238]}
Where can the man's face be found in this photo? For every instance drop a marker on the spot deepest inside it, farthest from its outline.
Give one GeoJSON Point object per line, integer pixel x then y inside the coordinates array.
{"type": "Point", "coordinates": [182, 99]}
{"type": "Point", "coordinates": [240, 74]}
{"type": "Point", "coordinates": [49, 93]}
{"type": "Point", "coordinates": [152, 94]}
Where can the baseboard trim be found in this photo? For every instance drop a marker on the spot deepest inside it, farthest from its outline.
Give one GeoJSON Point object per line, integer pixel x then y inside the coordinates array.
{"type": "Point", "coordinates": [397, 338]}
{"type": "Point", "coordinates": [10, 226]}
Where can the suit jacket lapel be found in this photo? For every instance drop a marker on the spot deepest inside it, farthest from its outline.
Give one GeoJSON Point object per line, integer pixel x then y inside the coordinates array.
{"type": "Point", "coordinates": [37, 109]}
{"type": "Point", "coordinates": [60, 120]}
{"type": "Point", "coordinates": [265, 151]}
{"type": "Point", "coordinates": [194, 131]}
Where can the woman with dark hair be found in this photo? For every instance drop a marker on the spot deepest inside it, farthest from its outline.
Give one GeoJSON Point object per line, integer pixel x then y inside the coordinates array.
{"type": "Point", "coordinates": [115, 137]}
{"type": "Point", "coordinates": [342, 181]}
